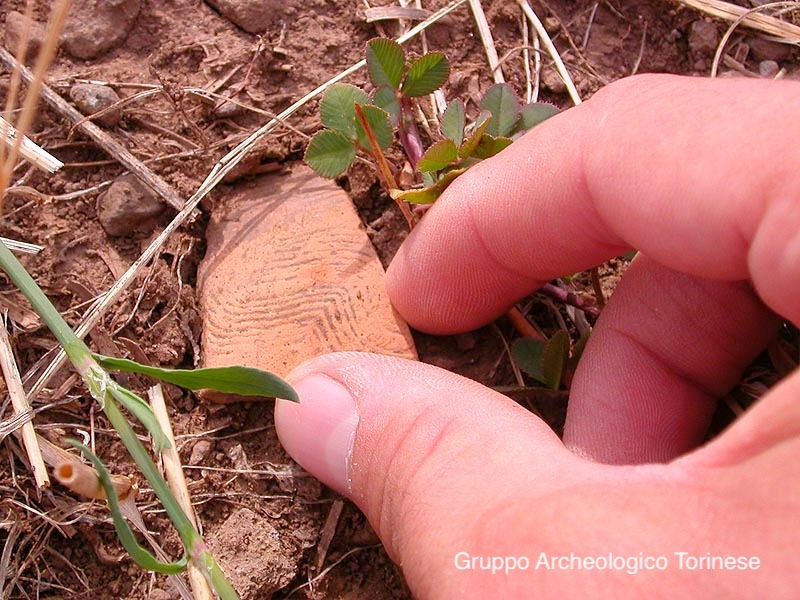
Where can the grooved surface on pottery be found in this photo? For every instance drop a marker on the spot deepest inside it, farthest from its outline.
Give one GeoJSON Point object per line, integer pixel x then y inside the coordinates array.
{"type": "Point", "coordinates": [290, 274]}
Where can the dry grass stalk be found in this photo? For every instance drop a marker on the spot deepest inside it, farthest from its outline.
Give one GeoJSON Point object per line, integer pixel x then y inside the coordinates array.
{"type": "Point", "coordinates": [83, 480]}
{"type": "Point", "coordinates": [488, 41]}
{"type": "Point", "coordinates": [551, 49]}
{"type": "Point", "coordinates": [394, 13]}
{"type": "Point", "coordinates": [177, 483]}
{"type": "Point", "coordinates": [787, 32]}
{"type": "Point", "coordinates": [46, 55]}
{"type": "Point", "coordinates": [21, 406]}
{"type": "Point", "coordinates": [27, 149]}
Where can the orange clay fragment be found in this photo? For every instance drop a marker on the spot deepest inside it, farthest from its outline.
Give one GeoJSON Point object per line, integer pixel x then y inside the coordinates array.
{"type": "Point", "coordinates": [290, 274]}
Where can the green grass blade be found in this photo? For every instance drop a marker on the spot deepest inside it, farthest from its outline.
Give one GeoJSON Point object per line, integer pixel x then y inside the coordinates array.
{"type": "Point", "coordinates": [385, 62]}
{"type": "Point", "coordinates": [502, 102]}
{"type": "Point", "coordinates": [426, 75]}
{"type": "Point", "coordinates": [141, 410]}
{"type": "Point", "coordinates": [330, 153]}
{"type": "Point", "coordinates": [453, 121]}
{"type": "Point", "coordinates": [336, 108]}
{"type": "Point", "coordinates": [139, 554]}
{"type": "Point", "coordinates": [243, 381]}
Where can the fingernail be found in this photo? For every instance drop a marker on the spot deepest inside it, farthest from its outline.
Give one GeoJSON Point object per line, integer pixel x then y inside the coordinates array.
{"type": "Point", "coordinates": [318, 432]}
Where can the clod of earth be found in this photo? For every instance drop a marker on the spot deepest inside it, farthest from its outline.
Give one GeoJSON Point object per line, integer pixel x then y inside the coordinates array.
{"type": "Point", "coordinates": [95, 26]}
{"type": "Point", "coordinates": [257, 557]}
{"type": "Point", "coordinates": [254, 16]}
{"type": "Point", "coordinates": [290, 274]}
{"type": "Point", "coordinates": [91, 98]}
{"type": "Point", "coordinates": [128, 205]}
{"type": "Point", "coordinates": [15, 22]}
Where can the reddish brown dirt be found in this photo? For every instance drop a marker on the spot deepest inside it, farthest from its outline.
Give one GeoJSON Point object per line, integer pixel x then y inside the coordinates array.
{"type": "Point", "coordinates": [261, 513]}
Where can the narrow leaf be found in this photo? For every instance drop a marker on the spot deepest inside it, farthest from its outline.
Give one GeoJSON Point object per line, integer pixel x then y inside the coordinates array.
{"type": "Point", "coordinates": [554, 358]}
{"type": "Point", "coordinates": [385, 62]}
{"type": "Point", "coordinates": [502, 102]}
{"type": "Point", "coordinates": [141, 410]}
{"type": "Point", "coordinates": [442, 154]}
{"type": "Point", "coordinates": [527, 353]}
{"type": "Point", "coordinates": [532, 114]}
{"type": "Point", "coordinates": [489, 146]}
{"type": "Point", "coordinates": [386, 98]}
{"type": "Point", "coordinates": [429, 194]}
{"type": "Point", "coordinates": [329, 153]}
{"type": "Point", "coordinates": [379, 122]}
{"type": "Point", "coordinates": [244, 381]}
{"type": "Point", "coordinates": [139, 554]}
{"type": "Point", "coordinates": [336, 108]}
{"type": "Point", "coordinates": [469, 145]}
{"type": "Point", "coordinates": [453, 121]}
{"type": "Point", "coordinates": [426, 75]}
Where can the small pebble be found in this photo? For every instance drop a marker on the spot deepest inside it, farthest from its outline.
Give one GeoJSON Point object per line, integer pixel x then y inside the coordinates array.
{"type": "Point", "coordinates": [128, 205]}
{"type": "Point", "coordinates": [15, 23]}
{"type": "Point", "coordinates": [254, 16]}
{"type": "Point", "coordinates": [553, 81]}
{"type": "Point", "coordinates": [765, 50]}
{"type": "Point", "coordinates": [91, 98]}
{"type": "Point", "coordinates": [703, 37]}
{"type": "Point", "coordinates": [200, 452]}
{"type": "Point", "coordinates": [768, 68]}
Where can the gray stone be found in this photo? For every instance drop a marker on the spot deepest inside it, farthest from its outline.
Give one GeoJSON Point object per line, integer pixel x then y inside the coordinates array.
{"type": "Point", "coordinates": [553, 81]}
{"type": "Point", "coordinates": [95, 26]}
{"type": "Point", "coordinates": [765, 50]}
{"type": "Point", "coordinates": [703, 37]}
{"type": "Point", "coordinates": [128, 205]}
{"type": "Point", "coordinates": [768, 68]}
{"type": "Point", "coordinates": [91, 98]}
{"type": "Point", "coordinates": [15, 23]}
{"type": "Point", "coordinates": [254, 16]}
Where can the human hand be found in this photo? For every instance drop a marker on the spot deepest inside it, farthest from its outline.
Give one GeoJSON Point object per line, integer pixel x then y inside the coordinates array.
{"type": "Point", "coordinates": [701, 177]}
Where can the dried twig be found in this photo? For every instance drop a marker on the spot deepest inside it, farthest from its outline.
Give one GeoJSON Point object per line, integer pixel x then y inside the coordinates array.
{"type": "Point", "coordinates": [177, 483]}
{"type": "Point", "coordinates": [21, 406]}
{"type": "Point", "coordinates": [328, 531]}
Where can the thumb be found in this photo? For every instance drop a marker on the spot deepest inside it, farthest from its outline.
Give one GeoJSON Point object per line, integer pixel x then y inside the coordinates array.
{"type": "Point", "coordinates": [433, 459]}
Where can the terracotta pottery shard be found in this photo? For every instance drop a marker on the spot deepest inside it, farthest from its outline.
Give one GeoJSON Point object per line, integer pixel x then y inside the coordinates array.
{"type": "Point", "coordinates": [290, 274]}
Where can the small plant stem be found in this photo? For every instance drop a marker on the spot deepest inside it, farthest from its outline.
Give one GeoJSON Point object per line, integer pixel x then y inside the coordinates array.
{"type": "Point", "coordinates": [522, 325]}
{"type": "Point", "coordinates": [99, 384]}
{"type": "Point", "coordinates": [571, 298]}
{"type": "Point", "coordinates": [409, 134]}
{"type": "Point", "coordinates": [383, 166]}
{"type": "Point", "coordinates": [598, 288]}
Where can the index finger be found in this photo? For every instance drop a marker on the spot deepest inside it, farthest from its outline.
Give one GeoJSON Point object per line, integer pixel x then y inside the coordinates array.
{"type": "Point", "coordinates": [699, 174]}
